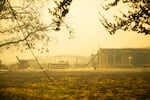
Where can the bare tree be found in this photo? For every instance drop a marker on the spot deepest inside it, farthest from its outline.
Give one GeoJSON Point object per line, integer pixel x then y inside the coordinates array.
{"type": "Point", "coordinates": [137, 19]}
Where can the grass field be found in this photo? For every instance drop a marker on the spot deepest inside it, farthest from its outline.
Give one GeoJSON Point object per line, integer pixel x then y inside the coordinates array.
{"type": "Point", "coordinates": [75, 85]}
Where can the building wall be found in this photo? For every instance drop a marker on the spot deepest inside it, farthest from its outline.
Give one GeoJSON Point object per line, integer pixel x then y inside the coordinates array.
{"type": "Point", "coordinates": [123, 57]}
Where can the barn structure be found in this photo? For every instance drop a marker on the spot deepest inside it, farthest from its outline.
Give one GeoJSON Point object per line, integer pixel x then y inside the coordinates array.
{"type": "Point", "coordinates": [122, 57]}
{"type": "Point", "coordinates": [26, 63]}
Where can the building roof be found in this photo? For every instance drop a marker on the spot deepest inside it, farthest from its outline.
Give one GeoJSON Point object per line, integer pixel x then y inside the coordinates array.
{"type": "Point", "coordinates": [125, 49]}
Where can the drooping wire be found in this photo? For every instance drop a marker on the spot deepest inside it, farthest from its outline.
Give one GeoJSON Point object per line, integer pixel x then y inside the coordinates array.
{"type": "Point", "coordinates": [27, 43]}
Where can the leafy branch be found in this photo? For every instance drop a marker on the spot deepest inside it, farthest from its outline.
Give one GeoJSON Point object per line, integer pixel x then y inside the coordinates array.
{"type": "Point", "coordinates": [137, 19]}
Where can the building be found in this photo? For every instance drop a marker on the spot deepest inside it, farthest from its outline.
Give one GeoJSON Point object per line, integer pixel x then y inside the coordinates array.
{"type": "Point", "coordinates": [59, 65]}
{"type": "Point", "coordinates": [123, 57]}
{"type": "Point", "coordinates": [26, 63]}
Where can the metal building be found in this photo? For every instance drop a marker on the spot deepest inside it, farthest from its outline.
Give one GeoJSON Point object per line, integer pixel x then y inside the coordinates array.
{"type": "Point", "coordinates": [123, 57]}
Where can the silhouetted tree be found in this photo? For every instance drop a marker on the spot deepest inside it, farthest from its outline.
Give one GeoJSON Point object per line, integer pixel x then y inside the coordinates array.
{"type": "Point", "coordinates": [137, 19]}
{"type": "Point", "coordinates": [20, 23]}
{"type": "Point", "coordinates": [59, 13]}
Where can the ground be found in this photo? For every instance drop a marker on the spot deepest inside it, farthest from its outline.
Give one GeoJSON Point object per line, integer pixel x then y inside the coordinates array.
{"type": "Point", "coordinates": [75, 85]}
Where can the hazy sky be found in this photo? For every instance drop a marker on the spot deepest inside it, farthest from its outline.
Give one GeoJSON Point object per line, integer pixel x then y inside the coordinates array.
{"type": "Point", "coordinates": [89, 33]}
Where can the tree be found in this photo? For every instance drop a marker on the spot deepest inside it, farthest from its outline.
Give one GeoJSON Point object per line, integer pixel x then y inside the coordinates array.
{"type": "Point", "coordinates": [137, 19]}
{"type": "Point", "coordinates": [20, 22]}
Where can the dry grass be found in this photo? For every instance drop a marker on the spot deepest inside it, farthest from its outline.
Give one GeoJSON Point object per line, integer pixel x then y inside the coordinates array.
{"type": "Point", "coordinates": [76, 85]}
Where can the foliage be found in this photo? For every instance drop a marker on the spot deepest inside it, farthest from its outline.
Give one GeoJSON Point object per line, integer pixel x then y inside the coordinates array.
{"type": "Point", "coordinates": [59, 12]}
{"type": "Point", "coordinates": [137, 19]}
{"type": "Point", "coordinates": [20, 23]}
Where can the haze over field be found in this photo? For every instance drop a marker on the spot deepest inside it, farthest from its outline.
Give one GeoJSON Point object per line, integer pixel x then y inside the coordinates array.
{"type": "Point", "coordinates": [74, 49]}
{"type": "Point", "coordinates": [89, 34]}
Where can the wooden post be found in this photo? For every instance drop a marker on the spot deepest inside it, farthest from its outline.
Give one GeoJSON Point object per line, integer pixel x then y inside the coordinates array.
{"type": "Point", "coordinates": [114, 56]}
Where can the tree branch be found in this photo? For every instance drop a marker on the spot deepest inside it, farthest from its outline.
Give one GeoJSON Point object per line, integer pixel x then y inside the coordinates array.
{"type": "Point", "coordinates": [26, 37]}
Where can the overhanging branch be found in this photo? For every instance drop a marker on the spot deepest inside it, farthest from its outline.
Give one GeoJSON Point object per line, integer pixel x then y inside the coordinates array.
{"type": "Point", "coordinates": [26, 37]}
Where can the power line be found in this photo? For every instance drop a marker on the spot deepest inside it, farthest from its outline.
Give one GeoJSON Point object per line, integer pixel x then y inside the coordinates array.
{"type": "Point", "coordinates": [27, 43]}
